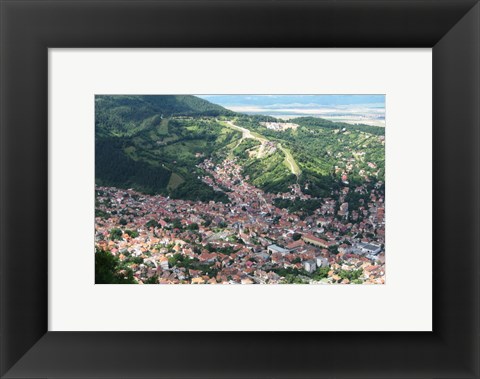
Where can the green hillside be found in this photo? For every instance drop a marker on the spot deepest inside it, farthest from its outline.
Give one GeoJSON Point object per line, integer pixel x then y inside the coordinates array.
{"type": "Point", "coordinates": [153, 143]}
{"type": "Point", "coordinates": [322, 150]}
{"type": "Point", "coordinates": [126, 115]}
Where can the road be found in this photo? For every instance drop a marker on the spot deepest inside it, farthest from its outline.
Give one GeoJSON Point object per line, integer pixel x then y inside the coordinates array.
{"type": "Point", "coordinates": [291, 162]}
{"type": "Point", "coordinates": [246, 133]}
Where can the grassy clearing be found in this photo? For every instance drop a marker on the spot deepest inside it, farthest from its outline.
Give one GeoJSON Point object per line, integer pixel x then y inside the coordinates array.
{"type": "Point", "coordinates": [175, 181]}
{"type": "Point", "coordinates": [131, 151]}
{"type": "Point", "coordinates": [162, 128]}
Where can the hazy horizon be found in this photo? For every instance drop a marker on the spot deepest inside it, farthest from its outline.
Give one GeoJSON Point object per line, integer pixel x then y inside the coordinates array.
{"type": "Point", "coordinates": [353, 109]}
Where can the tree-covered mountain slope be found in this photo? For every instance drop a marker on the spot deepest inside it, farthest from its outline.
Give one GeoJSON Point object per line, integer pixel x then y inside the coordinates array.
{"type": "Point", "coordinates": [121, 115]}
{"type": "Point", "coordinates": [153, 143]}
{"type": "Point", "coordinates": [328, 154]}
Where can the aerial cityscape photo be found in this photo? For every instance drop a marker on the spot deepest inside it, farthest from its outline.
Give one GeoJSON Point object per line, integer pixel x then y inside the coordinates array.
{"type": "Point", "coordinates": [240, 189]}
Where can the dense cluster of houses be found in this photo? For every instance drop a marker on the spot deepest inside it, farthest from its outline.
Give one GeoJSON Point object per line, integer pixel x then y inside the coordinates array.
{"type": "Point", "coordinates": [246, 241]}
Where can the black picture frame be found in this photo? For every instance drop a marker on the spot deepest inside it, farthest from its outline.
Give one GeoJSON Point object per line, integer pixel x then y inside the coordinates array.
{"type": "Point", "coordinates": [29, 28]}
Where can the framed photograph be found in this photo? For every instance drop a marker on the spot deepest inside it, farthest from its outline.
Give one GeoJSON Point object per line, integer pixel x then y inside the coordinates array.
{"type": "Point", "coordinates": [233, 187]}
{"type": "Point", "coordinates": [186, 183]}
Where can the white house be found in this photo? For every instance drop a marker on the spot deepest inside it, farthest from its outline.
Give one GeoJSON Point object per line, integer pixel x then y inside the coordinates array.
{"type": "Point", "coordinates": [322, 262]}
{"type": "Point", "coordinates": [310, 266]}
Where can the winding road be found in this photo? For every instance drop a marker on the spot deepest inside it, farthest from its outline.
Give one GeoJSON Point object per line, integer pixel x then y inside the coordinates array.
{"type": "Point", "coordinates": [246, 133]}
{"type": "Point", "coordinates": [290, 161]}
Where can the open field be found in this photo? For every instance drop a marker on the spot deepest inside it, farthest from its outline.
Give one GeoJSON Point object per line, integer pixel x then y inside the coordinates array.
{"type": "Point", "coordinates": [175, 181]}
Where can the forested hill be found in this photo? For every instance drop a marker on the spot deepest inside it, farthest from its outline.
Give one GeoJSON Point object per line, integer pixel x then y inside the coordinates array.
{"type": "Point", "coordinates": [153, 143]}
{"type": "Point", "coordinates": [123, 115]}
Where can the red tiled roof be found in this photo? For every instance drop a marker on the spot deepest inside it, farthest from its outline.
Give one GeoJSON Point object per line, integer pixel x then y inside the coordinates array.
{"type": "Point", "coordinates": [312, 238]}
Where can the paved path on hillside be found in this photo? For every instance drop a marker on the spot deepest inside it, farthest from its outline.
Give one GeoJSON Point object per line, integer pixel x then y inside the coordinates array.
{"type": "Point", "coordinates": [291, 162]}
{"type": "Point", "coordinates": [246, 133]}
